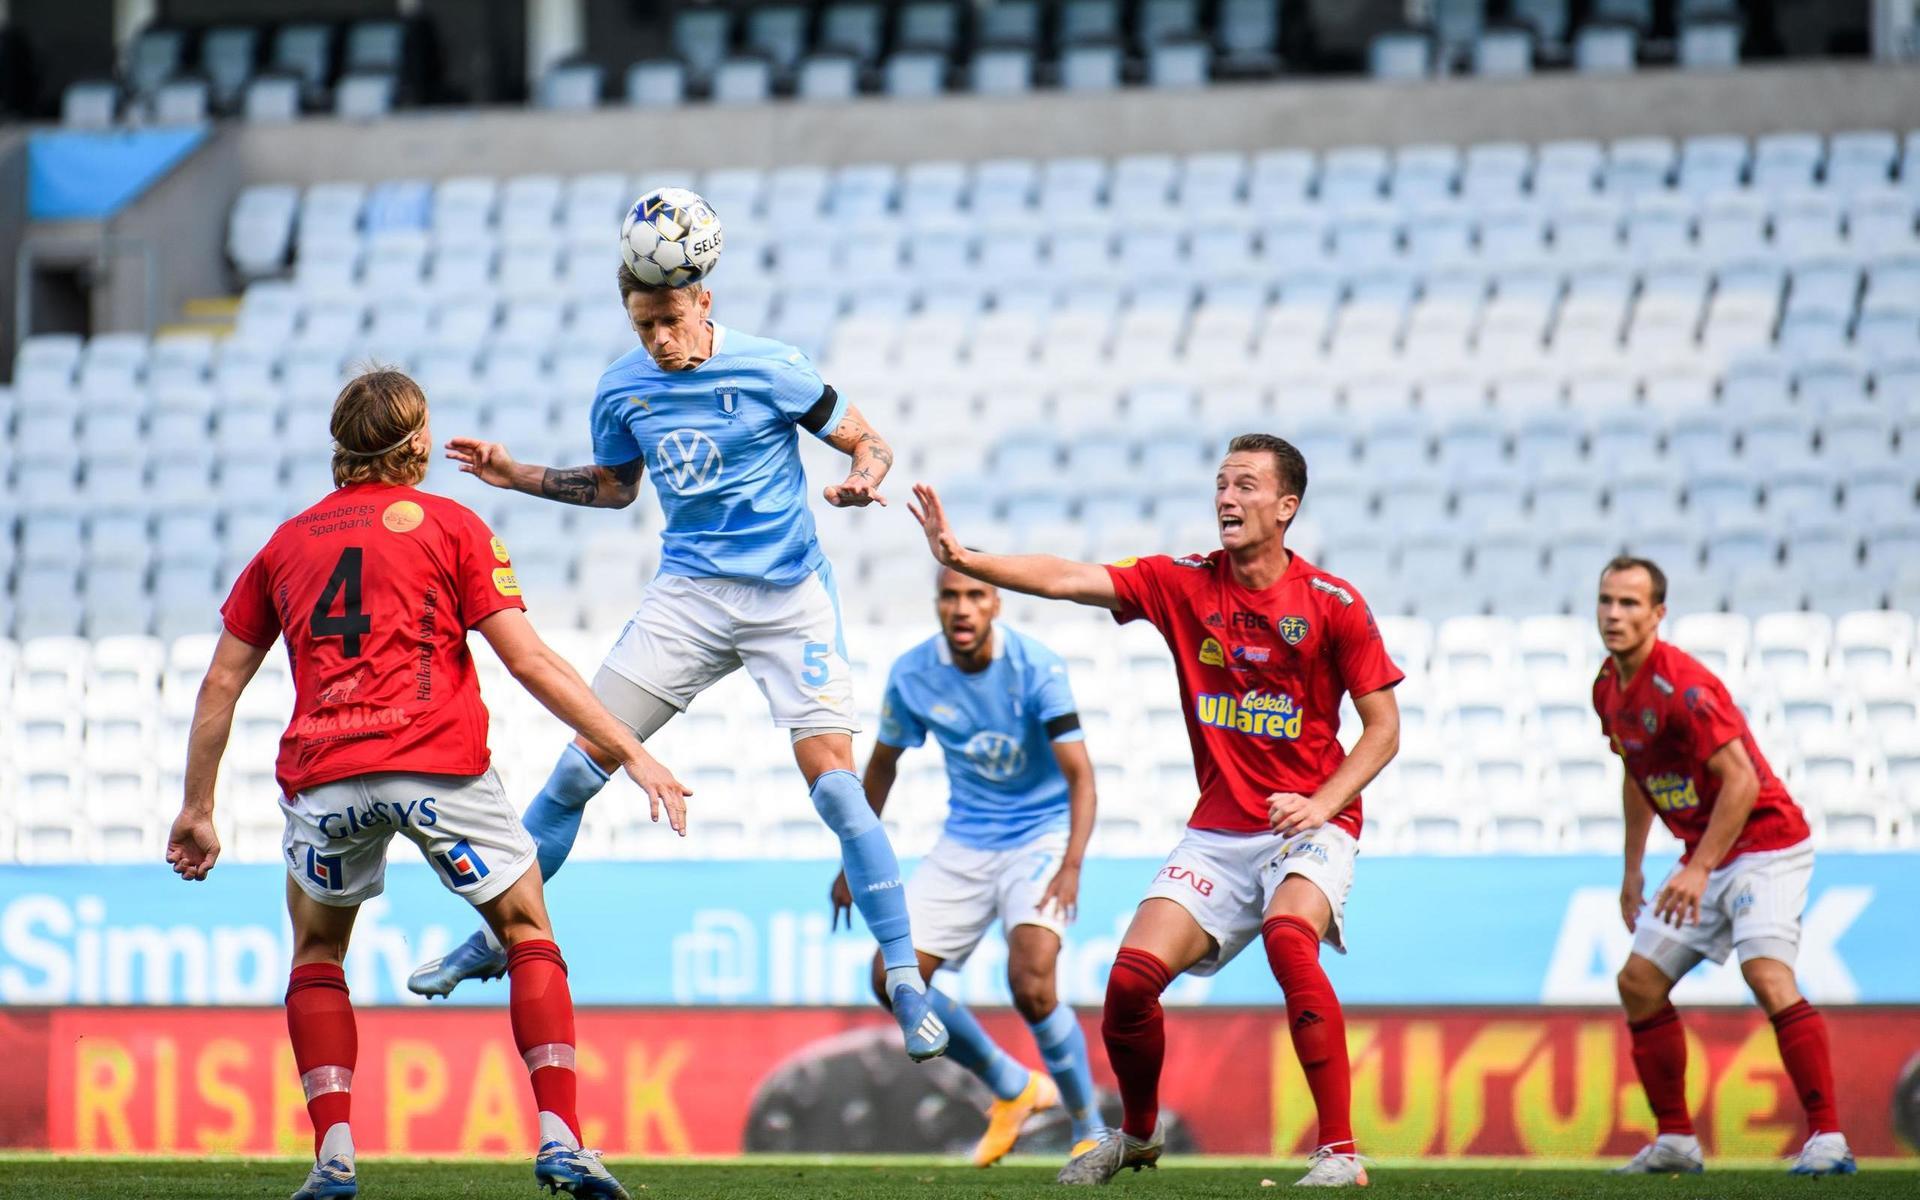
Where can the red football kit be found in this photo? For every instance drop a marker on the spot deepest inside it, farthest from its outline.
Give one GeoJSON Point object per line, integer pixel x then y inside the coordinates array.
{"type": "Point", "coordinates": [1261, 676]}
{"type": "Point", "coordinates": [374, 589]}
{"type": "Point", "coordinates": [1665, 724]}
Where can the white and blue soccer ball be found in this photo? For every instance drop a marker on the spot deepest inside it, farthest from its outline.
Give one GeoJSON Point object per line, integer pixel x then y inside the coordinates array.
{"type": "Point", "coordinates": [671, 238]}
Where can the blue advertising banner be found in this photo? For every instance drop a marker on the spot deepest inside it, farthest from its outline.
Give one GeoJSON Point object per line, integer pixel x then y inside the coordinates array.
{"type": "Point", "coordinates": [1469, 930]}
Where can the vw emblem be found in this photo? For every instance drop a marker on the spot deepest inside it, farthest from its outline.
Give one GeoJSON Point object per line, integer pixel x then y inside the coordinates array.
{"type": "Point", "coordinates": [689, 461]}
{"type": "Point", "coordinates": [996, 756]}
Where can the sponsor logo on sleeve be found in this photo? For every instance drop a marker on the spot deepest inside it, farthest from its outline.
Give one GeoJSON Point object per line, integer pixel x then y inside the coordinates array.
{"type": "Point", "coordinates": [1124, 563]}
{"type": "Point", "coordinates": [1294, 630]}
{"type": "Point", "coordinates": [1197, 561]}
{"type": "Point", "coordinates": [505, 582]}
{"type": "Point", "coordinates": [402, 516]}
{"type": "Point", "coordinates": [1332, 589]}
{"type": "Point", "coordinates": [1659, 681]}
{"type": "Point", "coordinates": [1211, 653]}
{"type": "Point", "coordinates": [500, 550]}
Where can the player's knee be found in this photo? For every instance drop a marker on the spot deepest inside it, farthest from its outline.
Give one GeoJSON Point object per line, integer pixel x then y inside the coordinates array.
{"type": "Point", "coordinates": [1641, 985]}
{"type": "Point", "coordinates": [1033, 995]}
{"type": "Point", "coordinates": [312, 946]}
{"type": "Point", "coordinates": [1771, 981]}
{"type": "Point", "coordinates": [842, 804]}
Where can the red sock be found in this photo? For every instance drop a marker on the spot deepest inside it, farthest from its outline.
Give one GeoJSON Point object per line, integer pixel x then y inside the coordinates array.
{"type": "Point", "coordinates": [1136, 1036]}
{"type": "Point", "coordinates": [541, 1009]}
{"type": "Point", "coordinates": [1318, 1024]}
{"type": "Point", "coordinates": [1660, 1058]}
{"type": "Point", "coordinates": [325, 1043]}
{"type": "Point", "coordinates": [1802, 1034]}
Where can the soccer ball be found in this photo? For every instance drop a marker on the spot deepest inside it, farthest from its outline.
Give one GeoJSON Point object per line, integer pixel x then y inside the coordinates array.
{"type": "Point", "coordinates": [671, 238]}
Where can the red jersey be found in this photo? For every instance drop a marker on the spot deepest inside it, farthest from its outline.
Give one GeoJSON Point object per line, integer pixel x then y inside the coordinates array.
{"type": "Point", "coordinates": [1261, 676]}
{"type": "Point", "coordinates": [374, 589]}
{"type": "Point", "coordinates": [1665, 724]}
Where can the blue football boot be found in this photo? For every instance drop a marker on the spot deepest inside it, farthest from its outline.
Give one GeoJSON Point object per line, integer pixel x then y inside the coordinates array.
{"type": "Point", "coordinates": [471, 959]}
{"type": "Point", "coordinates": [926, 1033]}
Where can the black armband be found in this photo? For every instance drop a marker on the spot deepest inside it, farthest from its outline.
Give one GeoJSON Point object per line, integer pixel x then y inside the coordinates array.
{"type": "Point", "coordinates": [815, 419]}
{"type": "Point", "coordinates": [1062, 725]}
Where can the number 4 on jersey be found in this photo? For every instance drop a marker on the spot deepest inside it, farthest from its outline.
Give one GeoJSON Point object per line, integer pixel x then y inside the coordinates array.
{"type": "Point", "coordinates": [353, 622]}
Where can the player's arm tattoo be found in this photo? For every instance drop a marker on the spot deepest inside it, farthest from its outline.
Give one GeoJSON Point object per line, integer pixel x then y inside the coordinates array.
{"type": "Point", "coordinates": [872, 457]}
{"type": "Point", "coordinates": [593, 487]}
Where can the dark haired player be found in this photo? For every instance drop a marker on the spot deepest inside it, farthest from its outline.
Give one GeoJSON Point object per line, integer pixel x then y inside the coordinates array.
{"type": "Point", "coordinates": [1266, 646]}
{"type": "Point", "coordinates": [1740, 887]}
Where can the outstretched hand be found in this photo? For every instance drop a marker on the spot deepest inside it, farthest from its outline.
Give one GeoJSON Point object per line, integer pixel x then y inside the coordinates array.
{"type": "Point", "coordinates": [941, 540]}
{"type": "Point", "coordinates": [488, 461]}
{"type": "Point", "coordinates": [662, 789]}
{"type": "Point", "coordinates": [857, 491]}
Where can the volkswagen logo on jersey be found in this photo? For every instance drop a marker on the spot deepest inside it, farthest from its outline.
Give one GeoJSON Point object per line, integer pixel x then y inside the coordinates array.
{"type": "Point", "coordinates": [996, 756]}
{"type": "Point", "coordinates": [688, 460]}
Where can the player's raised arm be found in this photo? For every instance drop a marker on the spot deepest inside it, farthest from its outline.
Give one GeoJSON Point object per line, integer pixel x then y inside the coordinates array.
{"type": "Point", "coordinates": [1035, 574]}
{"type": "Point", "coordinates": [592, 486]}
{"type": "Point", "coordinates": [192, 844]}
{"type": "Point", "coordinates": [555, 684]}
{"type": "Point", "coordinates": [872, 459]}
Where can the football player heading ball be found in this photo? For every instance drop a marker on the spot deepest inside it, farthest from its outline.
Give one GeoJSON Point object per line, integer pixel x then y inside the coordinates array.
{"type": "Point", "coordinates": [714, 415]}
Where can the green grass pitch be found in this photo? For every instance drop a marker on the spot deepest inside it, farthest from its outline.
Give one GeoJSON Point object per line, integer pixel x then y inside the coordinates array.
{"type": "Point", "coordinates": [856, 1179]}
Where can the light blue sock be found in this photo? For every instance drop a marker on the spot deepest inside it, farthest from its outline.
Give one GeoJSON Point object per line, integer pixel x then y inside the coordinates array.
{"type": "Point", "coordinates": [974, 1050]}
{"type": "Point", "coordinates": [873, 873]}
{"type": "Point", "coordinates": [554, 816]}
{"type": "Point", "coordinates": [1063, 1048]}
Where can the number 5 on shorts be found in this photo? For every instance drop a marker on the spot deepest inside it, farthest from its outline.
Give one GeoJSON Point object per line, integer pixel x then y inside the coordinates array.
{"type": "Point", "coordinates": [813, 657]}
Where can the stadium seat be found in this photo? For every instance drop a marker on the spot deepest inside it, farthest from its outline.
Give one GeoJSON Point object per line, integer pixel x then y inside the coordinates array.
{"type": "Point", "coordinates": [656, 83]}
{"type": "Point", "coordinates": [1709, 45]}
{"type": "Point", "coordinates": [571, 86]}
{"type": "Point", "coordinates": [1605, 49]}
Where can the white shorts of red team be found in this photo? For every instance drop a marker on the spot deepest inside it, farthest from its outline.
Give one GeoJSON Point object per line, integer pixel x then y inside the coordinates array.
{"type": "Point", "coordinates": [957, 892]}
{"type": "Point", "coordinates": [1226, 880]}
{"type": "Point", "coordinates": [337, 834]}
{"type": "Point", "coordinates": [1752, 905]}
{"type": "Point", "coordinates": [688, 634]}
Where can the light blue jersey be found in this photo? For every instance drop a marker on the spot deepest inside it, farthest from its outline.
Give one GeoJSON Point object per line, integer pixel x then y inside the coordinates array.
{"type": "Point", "coordinates": [996, 727]}
{"type": "Point", "coordinates": [721, 446]}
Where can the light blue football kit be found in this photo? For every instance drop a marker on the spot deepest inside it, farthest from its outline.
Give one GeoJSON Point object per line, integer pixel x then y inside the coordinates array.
{"type": "Point", "coordinates": [742, 582]}
{"type": "Point", "coordinates": [1005, 834]}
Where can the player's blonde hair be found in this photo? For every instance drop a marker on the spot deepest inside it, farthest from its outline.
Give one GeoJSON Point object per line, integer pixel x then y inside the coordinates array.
{"type": "Point", "coordinates": [376, 420]}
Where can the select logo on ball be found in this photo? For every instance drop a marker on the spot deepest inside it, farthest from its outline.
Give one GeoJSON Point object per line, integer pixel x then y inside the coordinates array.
{"type": "Point", "coordinates": [403, 516]}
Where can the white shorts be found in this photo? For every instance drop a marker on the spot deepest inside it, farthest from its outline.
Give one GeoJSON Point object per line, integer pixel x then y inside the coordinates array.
{"type": "Point", "coordinates": [957, 892]}
{"type": "Point", "coordinates": [1753, 905]}
{"type": "Point", "coordinates": [1226, 881]}
{"type": "Point", "coordinates": [337, 833]}
{"type": "Point", "coordinates": [689, 633]}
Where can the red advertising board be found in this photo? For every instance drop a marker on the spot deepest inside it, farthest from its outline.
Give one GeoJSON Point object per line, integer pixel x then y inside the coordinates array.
{"type": "Point", "coordinates": [1532, 1082]}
